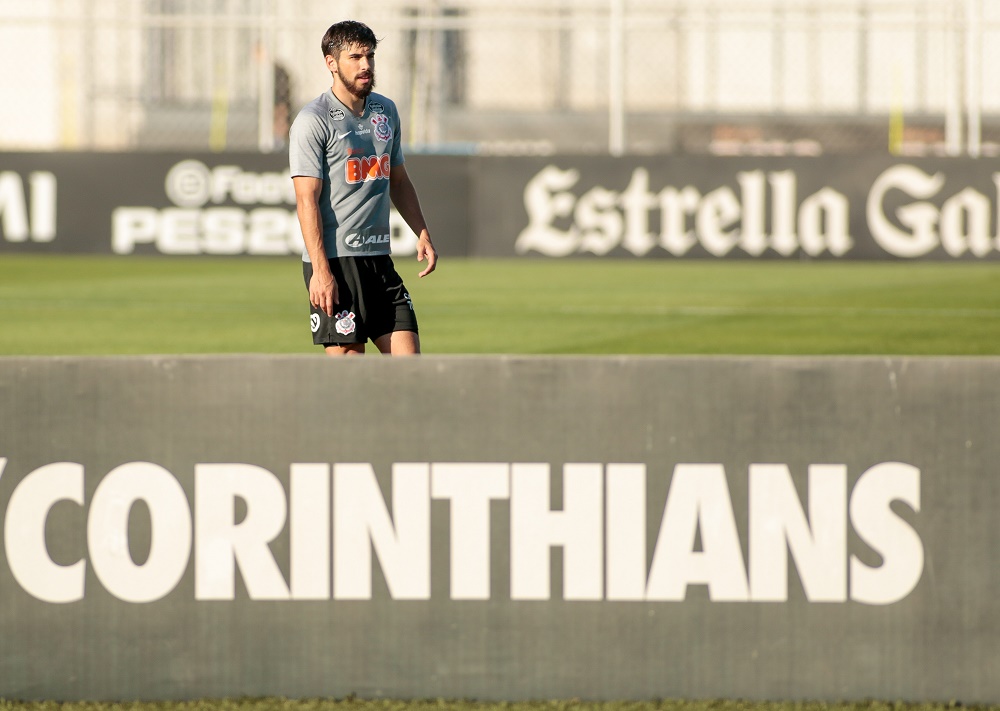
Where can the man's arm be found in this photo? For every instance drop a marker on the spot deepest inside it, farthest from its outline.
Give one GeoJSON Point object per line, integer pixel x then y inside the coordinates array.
{"type": "Point", "coordinates": [322, 286]}
{"type": "Point", "coordinates": [404, 197]}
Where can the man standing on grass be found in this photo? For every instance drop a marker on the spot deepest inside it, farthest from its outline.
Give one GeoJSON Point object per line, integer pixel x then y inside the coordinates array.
{"type": "Point", "coordinates": [346, 160]}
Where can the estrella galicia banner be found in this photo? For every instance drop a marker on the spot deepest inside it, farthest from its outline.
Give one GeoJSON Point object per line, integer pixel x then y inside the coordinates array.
{"type": "Point", "coordinates": [846, 207]}
{"type": "Point", "coordinates": [509, 528]}
{"type": "Point", "coordinates": [640, 207]}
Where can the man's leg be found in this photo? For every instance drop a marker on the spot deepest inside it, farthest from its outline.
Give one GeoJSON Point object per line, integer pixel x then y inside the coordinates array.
{"type": "Point", "coordinates": [349, 349]}
{"type": "Point", "coordinates": [398, 343]}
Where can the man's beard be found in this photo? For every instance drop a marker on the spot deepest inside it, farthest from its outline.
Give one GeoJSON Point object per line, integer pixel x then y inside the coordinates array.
{"type": "Point", "coordinates": [355, 88]}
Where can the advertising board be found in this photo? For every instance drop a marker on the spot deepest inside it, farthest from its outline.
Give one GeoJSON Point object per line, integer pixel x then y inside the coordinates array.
{"type": "Point", "coordinates": [670, 207]}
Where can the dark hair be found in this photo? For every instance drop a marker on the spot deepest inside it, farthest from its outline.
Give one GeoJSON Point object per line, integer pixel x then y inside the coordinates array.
{"type": "Point", "coordinates": [344, 34]}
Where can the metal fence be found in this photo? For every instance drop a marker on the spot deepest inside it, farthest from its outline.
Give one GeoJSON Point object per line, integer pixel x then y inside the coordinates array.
{"type": "Point", "coordinates": [514, 76]}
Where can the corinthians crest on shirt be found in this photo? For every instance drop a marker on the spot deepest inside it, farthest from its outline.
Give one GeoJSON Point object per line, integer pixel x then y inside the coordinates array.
{"type": "Point", "coordinates": [380, 122]}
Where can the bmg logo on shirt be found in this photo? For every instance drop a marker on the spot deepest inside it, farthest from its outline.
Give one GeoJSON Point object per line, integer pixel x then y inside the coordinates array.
{"type": "Point", "coordinates": [359, 170]}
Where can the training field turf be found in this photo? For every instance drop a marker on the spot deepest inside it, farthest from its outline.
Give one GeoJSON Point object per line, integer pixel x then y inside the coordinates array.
{"type": "Point", "coordinates": [68, 305]}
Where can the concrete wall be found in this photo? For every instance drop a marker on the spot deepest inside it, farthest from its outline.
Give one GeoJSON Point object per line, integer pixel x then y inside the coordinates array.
{"type": "Point", "coordinates": [500, 527]}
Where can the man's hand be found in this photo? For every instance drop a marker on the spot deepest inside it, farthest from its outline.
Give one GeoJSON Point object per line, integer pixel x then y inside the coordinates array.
{"type": "Point", "coordinates": [425, 250]}
{"type": "Point", "coordinates": [323, 291]}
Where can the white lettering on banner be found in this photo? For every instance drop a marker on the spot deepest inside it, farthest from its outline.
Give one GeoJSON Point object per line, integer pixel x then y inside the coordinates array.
{"type": "Point", "coordinates": [214, 230]}
{"type": "Point", "coordinates": [470, 488]}
{"type": "Point", "coordinates": [22, 219]}
{"type": "Point", "coordinates": [361, 523]}
{"type": "Point", "coordinates": [601, 219]}
{"type": "Point", "coordinates": [893, 539]}
{"type": "Point", "coordinates": [698, 502]}
{"type": "Point", "coordinates": [24, 533]}
{"type": "Point", "coordinates": [222, 544]}
{"type": "Point", "coordinates": [199, 223]}
{"type": "Point", "coordinates": [192, 228]}
{"type": "Point", "coordinates": [338, 520]}
{"type": "Point", "coordinates": [625, 492]}
{"type": "Point", "coordinates": [961, 225]}
{"type": "Point", "coordinates": [535, 529]}
{"type": "Point", "coordinates": [191, 183]}
{"type": "Point", "coordinates": [779, 526]}
{"type": "Point", "coordinates": [107, 532]}
{"type": "Point", "coordinates": [309, 531]}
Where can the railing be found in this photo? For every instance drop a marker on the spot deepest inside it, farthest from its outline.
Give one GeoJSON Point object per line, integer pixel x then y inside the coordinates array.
{"type": "Point", "coordinates": [483, 75]}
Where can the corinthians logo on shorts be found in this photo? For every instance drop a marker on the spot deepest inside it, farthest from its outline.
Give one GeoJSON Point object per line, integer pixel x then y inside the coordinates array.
{"type": "Point", "coordinates": [382, 130]}
{"type": "Point", "coordinates": [345, 322]}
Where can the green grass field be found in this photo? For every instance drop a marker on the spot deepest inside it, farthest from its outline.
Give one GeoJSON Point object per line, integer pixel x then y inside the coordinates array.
{"type": "Point", "coordinates": [67, 305]}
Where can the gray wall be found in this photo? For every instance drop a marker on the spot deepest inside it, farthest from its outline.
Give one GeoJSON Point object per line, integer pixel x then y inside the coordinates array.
{"type": "Point", "coordinates": [500, 527]}
{"type": "Point", "coordinates": [829, 207]}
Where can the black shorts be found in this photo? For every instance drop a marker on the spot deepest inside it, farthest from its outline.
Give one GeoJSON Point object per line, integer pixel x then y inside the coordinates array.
{"type": "Point", "coordinates": [372, 301]}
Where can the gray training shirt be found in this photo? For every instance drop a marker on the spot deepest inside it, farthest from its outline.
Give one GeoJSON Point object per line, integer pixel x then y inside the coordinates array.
{"type": "Point", "coordinates": [352, 156]}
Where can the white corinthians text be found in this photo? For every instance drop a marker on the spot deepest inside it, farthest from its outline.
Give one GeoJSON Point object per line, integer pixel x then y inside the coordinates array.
{"type": "Point", "coordinates": [335, 517]}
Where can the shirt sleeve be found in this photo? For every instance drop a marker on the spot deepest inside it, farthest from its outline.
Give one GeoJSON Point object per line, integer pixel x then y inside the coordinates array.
{"type": "Point", "coordinates": [307, 139]}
